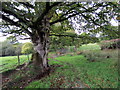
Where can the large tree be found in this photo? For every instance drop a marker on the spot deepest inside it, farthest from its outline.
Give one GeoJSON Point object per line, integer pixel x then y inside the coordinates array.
{"type": "Point", "coordinates": [36, 19]}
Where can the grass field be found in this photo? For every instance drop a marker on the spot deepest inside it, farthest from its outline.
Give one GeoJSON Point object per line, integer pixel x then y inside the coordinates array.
{"type": "Point", "coordinates": [92, 74]}
{"type": "Point", "coordinates": [92, 69]}
{"type": "Point", "coordinates": [79, 70]}
{"type": "Point", "coordinates": [11, 62]}
{"type": "Point", "coordinates": [91, 46]}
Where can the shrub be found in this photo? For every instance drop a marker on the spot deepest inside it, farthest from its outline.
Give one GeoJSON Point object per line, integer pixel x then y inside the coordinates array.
{"type": "Point", "coordinates": [101, 55]}
{"type": "Point", "coordinates": [110, 44]}
{"type": "Point", "coordinates": [27, 48]}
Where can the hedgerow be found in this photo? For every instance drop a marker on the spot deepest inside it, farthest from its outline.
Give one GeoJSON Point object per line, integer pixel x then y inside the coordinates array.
{"type": "Point", "coordinates": [110, 44]}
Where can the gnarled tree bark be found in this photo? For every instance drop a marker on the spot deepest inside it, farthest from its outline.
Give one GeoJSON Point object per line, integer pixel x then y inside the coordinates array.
{"type": "Point", "coordinates": [40, 41]}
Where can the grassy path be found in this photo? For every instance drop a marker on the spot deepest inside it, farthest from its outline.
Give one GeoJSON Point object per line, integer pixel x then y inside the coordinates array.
{"type": "Point", "coordinates": [71, 66]}
{"type": "Point", "coordinates": [66, 76]}
{"type": "Point", "coordinates": [98, 74]}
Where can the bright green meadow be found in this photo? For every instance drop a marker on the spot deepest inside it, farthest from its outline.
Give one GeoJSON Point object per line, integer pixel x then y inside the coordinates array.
{"type": "Point", "coordinates": [11, 62]}
{"type": "Point", "coordinates": [91, 69]}
{"type": "Point", "coordinates": [78, 71]}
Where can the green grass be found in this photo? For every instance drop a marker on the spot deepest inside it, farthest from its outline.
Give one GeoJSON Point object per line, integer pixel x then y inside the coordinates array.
{"type": "Point", "coordinates": [91, 46]}
{"type": "Point", "coordinates": [11, 62]}
{"type": "Point", "coordinates": [94, 74]}
{"type": "Point", "coordinates": [75, 71]}
{"type": "Point", "coordinates": [102, 73]}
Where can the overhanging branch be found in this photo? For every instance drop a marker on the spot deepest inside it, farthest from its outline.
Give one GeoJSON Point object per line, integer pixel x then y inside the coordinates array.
{"type": "Point", "coordinates": [27, 4]}
{"type": "Point", "coordinates": [46, 11]}
{"type": "Point", "coordinates": [15, 15]}
{"type": "Point", "coordinates": [72, 36]}
{"type": "Point", "coordinates": [60, 20]}
{"type": "Point", "coordinates": [91, 9]}
{"type": "Point", "coordinates": [16, 24]}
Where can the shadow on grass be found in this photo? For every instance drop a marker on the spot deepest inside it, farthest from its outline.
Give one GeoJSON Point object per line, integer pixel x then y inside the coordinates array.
{"type": "Point", "coordinates": [20, 78]}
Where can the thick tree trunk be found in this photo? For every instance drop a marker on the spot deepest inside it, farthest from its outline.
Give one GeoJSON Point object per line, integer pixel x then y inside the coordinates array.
{"type": "Point", "coordinates": [40, 57]}
{"type": "Point", "coordinates": [41, 44]}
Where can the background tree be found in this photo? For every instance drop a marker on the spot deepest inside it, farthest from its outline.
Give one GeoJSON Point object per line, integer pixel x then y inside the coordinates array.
{"type": "Point", "coordinates": [7, 48]}
{"type": "Point", "coordinates": [18, 48]}
{"type": "Point", "coordinates": [27, 48]}
{"type": "Point", "coordinates": [36, 18]}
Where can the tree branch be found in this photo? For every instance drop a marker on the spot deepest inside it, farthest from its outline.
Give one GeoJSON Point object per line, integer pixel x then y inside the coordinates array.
{"type": "Point", "coordinates": [15, 15]}
{"type": "Point", "coordinates": [72, 36]}
{"type": "Point", "coordinates": [60, 20]}
{"type": "Point", "coordinates": [95, 23]}
{"type": "Point", "coordinates": [27, 4]}
{"type": "Point", "coordinates": [16, 24]}
{"type": "Point", "coordinates": [55, 4]}
{"type": "Point", "coordinates": [86, 10]}
{"type": "Point", "coordinates": [47, 5]}
{"type": "Point", "coordinates": [37, 22]}
{"type": "Point", "coordinates": [68, 12]}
